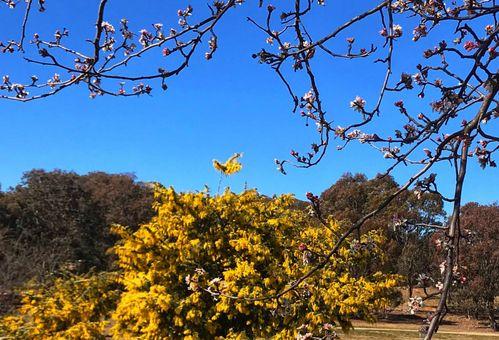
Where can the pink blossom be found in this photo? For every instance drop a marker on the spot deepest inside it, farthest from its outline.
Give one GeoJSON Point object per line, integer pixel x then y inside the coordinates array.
{"type": "Point", "coordinates": [470, 45]}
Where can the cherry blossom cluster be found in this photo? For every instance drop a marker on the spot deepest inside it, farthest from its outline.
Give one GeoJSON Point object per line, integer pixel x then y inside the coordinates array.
{"type": "Point", "coordinates": [102, 68]}
{"type": "Point", "coordinates": [415, 304]}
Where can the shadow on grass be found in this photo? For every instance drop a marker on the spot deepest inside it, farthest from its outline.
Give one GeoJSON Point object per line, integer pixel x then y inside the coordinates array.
{"type": "Point", "coordinates": [407, 318]}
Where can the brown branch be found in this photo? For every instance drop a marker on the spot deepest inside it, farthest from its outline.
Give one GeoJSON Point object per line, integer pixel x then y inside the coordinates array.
{"type": "Point", "coordinates": [98, 30]}
{"type": "Point", "coordinates": [24, 23]}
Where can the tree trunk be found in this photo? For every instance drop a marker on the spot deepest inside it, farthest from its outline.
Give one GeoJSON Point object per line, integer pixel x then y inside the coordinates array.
{"type": "Point", "coordinates": [453, 229]}
{"type": "Point", "coordinates": [453, 240]}
{"type": "Point", "coordinates": [492, 316]}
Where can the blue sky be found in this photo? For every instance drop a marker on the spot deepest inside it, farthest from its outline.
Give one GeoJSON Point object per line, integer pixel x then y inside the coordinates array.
{"type": "Point", "coordinates": [213, 109]}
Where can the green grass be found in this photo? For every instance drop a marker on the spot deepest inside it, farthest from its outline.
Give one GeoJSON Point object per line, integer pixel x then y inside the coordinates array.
{"type": "Point", "coordinates": [406, 335]}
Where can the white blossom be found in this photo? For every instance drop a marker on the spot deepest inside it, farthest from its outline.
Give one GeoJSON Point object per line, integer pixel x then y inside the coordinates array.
{"type": "Point", "coordinates": [358, 104]}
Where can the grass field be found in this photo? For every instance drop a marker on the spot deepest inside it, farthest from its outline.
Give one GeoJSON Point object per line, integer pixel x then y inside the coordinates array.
{"type": "Point", "coordinates": [399, 324]}
{"type": "Point", "coordinates": [371, 334]}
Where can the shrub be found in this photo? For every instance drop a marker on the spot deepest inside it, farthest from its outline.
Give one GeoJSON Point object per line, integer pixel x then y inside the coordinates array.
{"type": "Point", "coordinates": [71, 307]}
{"type": "Point", "coordinates": [198, 269]}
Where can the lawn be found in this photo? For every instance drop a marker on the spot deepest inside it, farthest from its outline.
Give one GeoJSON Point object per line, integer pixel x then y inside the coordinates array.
{"type": "Point", "coordinates": [366, 334]}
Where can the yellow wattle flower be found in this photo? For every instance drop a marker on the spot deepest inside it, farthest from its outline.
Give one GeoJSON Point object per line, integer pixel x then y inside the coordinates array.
{"type": "Point", "coordinates": [231, 166]}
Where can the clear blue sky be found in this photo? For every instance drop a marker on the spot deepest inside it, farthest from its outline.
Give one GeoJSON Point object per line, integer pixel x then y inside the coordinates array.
{"type": "Point", "coordinates": [229, 104]}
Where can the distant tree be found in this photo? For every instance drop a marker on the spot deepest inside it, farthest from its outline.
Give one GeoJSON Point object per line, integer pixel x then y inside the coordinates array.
{"type": "Point", "coordinates": [51, 220]}
{"type": "Point", "coordinates": [354, 196]}
{"type": "Point", "coordinates": [478, 272]}
{"type": "Point", "coordinates": [119, 198]}
{"type": "Point", "coordinates": [56, 220]}
{"type": "Point", "coordinates": [415, 261]}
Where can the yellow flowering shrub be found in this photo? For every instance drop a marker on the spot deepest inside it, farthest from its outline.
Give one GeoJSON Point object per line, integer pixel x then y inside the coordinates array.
{"type": "Point", "coordinates": [193, 271]}
{"type": "Point", "coordinates": [71, 307]}
{"type": "Point", "coordinates": [231, 166]}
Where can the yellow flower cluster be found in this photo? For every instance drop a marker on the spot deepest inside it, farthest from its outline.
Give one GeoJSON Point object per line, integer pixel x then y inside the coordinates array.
{"type": "Point", "coordinates": [72, 307]}
{"type": "Point", "coordinates": [192, 271]}
{"type": "Point", "coordinates": [231, 166]}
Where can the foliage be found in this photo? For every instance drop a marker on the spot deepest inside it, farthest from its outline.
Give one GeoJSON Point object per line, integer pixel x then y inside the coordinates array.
{"type": "Point", "coordinates": [479, 262]}
{"type": "Point", "coordinates": [415, 261]}
{"type": "Point", "coordinates": [71, 307]}
{"type": "Point", "coordinates": [119, 198]}
{"type": "Point", "coordinates": [194, 269]}
{"type": "Point", "coordinates": [56, 220]}
{"type": "Point", "coordinates": [354, 196]}
{"type": "Point", "coordinates": [51, 216]}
